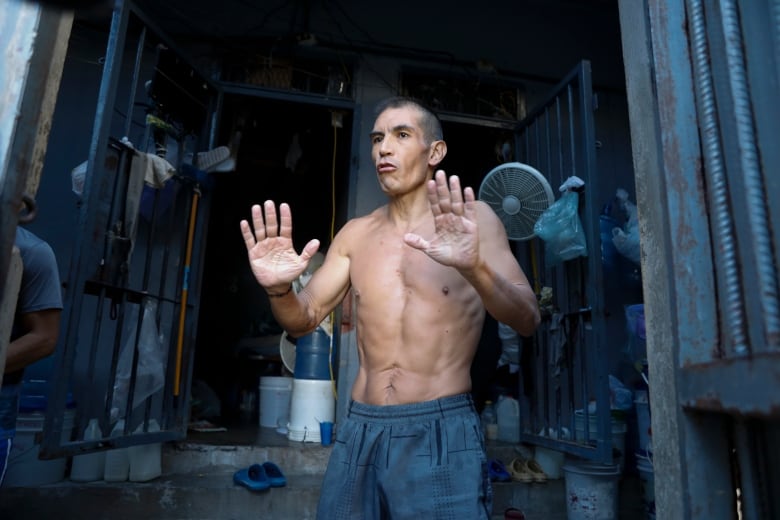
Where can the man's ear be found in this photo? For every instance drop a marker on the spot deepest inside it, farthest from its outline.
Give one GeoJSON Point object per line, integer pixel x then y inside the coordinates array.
{"type": "Point", "coordinates": [438, 152]}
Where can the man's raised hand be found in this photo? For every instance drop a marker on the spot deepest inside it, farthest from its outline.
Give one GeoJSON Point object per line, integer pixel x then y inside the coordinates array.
{"type": "Point", "coordinates": [455, 241]}
{"type": "Point", "coordinates": [269, 246]}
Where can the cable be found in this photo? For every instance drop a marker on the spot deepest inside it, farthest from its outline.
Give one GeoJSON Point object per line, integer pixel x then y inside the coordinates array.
{"type": "Point", "coordinates": [332, 234]}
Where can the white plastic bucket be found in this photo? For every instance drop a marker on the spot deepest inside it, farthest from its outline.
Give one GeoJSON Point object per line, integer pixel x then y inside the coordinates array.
{"type": "Point", "coordinates": [312, 403]}
{"type": "Point", "coordinates": [647, 485]}
{"type": "Point", "coordinates": [24, 466]}
{"type": "Point", "coordinates": [618, 432]}
{"type": "Point", "coordinates": [275, 400]}
{"type": "Point", "coordinates": [643, 424]}
{"type": "Point", "coordinates": [591, 491]}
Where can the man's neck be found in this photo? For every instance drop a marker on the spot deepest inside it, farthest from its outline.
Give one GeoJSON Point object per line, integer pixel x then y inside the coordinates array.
{"type": "Point", "coordinates": [409, 210]}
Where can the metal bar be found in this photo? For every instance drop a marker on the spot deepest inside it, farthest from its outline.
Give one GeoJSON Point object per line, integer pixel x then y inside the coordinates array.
{"type": "Point", "coordinates": [296, 97]}
{"type": "Point", "coordinates": [732, 309]}
{"type": "Point", "coordinates": [735, 386]}
{"type": "Point", "coordinates": [550, 99]}
{"type": "Point", "coordinates": [750, 500]}
{"type": "Point", "coordinates": [758, 235]}
{"type": "Point", "coordinates": [139, 53]}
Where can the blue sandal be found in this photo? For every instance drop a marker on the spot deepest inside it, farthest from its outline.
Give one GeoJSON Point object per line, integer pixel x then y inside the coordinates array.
{"type": "Point", "coordinates": [497, 471]}
{"type": "Point", "coordinates": [275, 475]}
{"type": "Point", "coordinates": [254, 478]}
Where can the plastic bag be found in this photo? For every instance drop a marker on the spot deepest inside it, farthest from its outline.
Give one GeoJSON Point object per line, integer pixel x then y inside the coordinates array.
{"type": "Point", "coordinates": [150, 370]}
{"type": "Point", "coordinates": [560, 228]}
{"type": "Point", "coordinates": [620, 397]}
{"type": "Point", "coordinates": [510, 346]}
{"type": "Point", "coordinates": [77, 177]}
{"type": "Point", "coordinates": [626, 240]}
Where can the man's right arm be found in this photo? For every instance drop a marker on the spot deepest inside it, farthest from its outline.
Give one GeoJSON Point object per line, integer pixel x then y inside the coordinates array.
{"type": "Point", "coordinates": [301, 313]}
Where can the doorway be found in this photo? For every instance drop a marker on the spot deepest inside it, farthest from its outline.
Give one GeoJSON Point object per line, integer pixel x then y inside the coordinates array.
{"type": "Point", "coordinates": [288, 152]}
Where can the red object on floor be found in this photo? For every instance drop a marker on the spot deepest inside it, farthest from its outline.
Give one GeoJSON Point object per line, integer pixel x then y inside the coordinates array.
{"type": "Point", "coordinates": [513, 513]}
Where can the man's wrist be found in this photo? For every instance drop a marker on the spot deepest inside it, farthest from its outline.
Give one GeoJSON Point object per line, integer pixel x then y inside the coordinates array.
{"type": "Point", "coordinates": [280, 294]}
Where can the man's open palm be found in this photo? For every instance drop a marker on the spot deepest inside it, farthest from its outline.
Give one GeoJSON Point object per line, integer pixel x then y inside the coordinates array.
{"type": "Point", "coordinates": [455, 241]}
{"type": "Point", "coordinates": [269, 245]}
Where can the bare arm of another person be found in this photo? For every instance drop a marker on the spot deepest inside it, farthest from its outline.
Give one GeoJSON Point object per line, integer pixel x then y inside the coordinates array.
{"type": "Point", "coordinates": [39, 342]}
{"type": "Point", "coordinates": [275, 265]}
{"type": "Point", "coordinates": [470, 238]}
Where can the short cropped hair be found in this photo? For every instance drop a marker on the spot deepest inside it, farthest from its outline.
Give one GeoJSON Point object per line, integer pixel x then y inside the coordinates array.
{"type": "Point", "coordinates": [429, 122]}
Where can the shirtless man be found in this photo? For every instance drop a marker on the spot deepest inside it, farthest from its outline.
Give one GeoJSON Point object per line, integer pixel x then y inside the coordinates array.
{"type": "Point", "coordinates": [423, 269]}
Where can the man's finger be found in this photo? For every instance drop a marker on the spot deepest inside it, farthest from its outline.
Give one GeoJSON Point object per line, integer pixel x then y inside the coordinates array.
{"type": "Point", "coordinates": [285, 220]}
{"type": "Point", "coordinates": [470, 204]}
{"type": "Point", "coordinates": [443, 192]}
{"type": "Point", "coordinates": [249, 238]}
{"type": "Point", "coordinates": [257, 222]}
{"type": "Point", "coordinates": [416, 241]}
{"type": "Point", "coordinates": [271, 225]}
{"type": "Point", "coordinates": [433, 198]}
{"type": "Point", "coordinates": [456, 196]}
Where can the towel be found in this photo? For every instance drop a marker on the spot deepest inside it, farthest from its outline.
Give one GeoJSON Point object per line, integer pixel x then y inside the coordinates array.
{"type": "Point", "coordinates": [145, 168]}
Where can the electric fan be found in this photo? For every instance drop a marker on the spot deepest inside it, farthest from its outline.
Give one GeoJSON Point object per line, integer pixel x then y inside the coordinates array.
{"type": "Point", "coordinates": [518, 194]}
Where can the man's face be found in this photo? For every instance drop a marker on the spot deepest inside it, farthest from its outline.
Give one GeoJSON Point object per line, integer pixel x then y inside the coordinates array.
{"type": "Point", "coordinates": [400, 150]}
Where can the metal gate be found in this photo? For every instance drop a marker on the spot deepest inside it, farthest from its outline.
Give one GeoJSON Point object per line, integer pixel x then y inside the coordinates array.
{"type": "Point", "coordinates": [570, 350]}
{"type": "Point", "coordinates": [132, 297]}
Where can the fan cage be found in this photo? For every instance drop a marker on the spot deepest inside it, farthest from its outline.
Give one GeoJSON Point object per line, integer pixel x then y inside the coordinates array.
{"type": "Point", "coordinates": [518, 194]}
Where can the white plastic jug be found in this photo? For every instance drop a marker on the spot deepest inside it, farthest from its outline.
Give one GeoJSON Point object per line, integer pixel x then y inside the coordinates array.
{"type": "Point", "coordinates": [508, 411]}
{"type": "Point", "coordinates": [146, 459]}
{"type": "Point", "coordinates": [117, 466]}
{"type": "Point", "coordinates": [90, 466]}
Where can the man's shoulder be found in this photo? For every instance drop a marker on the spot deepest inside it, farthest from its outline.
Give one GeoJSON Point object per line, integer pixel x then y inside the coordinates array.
{"type": "Point", "coordinates": [32, 248]}
{"type": "Point", "coordinates": [365, 223]}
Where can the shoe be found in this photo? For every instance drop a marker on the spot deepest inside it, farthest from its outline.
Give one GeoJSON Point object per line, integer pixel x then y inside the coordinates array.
{"type": "Point", "coordinates": [229, 164]}
{"type": "Point", "coordinates": [512, 513]}
{"type": "Point", "coordinates": [253, 478]}
{"type": "Point", "coordinates": [497, 471]}
{"type": "Point", "coordinates": [536, 470]}
{"type": "Point", "coordinates": [206, 160]}
{"type": "Point", "coordinates": [519, 471]}
{"type": "Point", "coordinates": [275, 476]}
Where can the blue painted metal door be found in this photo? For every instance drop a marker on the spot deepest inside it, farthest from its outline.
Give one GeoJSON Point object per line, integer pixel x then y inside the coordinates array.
{"type": "Point", "coordinates": [702, 78]}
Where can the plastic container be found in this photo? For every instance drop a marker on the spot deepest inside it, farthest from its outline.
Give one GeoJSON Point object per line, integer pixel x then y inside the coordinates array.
{"type": "Point", "coordinates": [24, 466]}
{"type": "Point", "coordinates": [117, 466]}
{"type": "Point", "coordinates": [489, 420]}
{"type": "Point", "coordinates": [312, 356]}
{"type": "Point", "coordinates": [145, 459]}
{"type": "Point", "coordinates": [646, 483]}
{"type": "Point", "coordinates": [312, 403]}
{"type": "Point", "coordinates": [618, 433]}
{"type": "Point", "coordinates": [508, 411]}
{"type": "Point", "coordinates": [275, 397]}
{"type": "Point", "coordinates": [644, 428]}
{"type": "Point", "coordinates": [90, 466]}
{"type": "Point", "coordinates": [591, 491]}
{"type": "Point", "coordinates": [551, 461]}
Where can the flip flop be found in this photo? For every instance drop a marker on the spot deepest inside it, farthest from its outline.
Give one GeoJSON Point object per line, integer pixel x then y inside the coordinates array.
{"type": "Point", "coordinates": [519, 470]}
{"type": "Point", "coordinates": [497, 471]}
{"type": "Point", "coordinates": [253, 478]}
{"type": "Point", "coordinates": [275, 476]}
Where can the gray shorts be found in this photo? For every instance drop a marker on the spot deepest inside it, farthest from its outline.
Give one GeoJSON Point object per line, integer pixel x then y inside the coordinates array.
{"type": "Point", "coordinates": [421, 460]}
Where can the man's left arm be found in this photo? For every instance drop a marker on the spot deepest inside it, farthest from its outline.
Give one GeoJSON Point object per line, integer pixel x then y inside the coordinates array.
{"type": "Point", "coordinates": [499, 279]}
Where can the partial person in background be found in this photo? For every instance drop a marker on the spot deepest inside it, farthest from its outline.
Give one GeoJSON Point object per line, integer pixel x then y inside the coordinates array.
{"type": "Point", "coordinates": [35, 331]}
{"type": "Point", "coordinates": [423, 269]}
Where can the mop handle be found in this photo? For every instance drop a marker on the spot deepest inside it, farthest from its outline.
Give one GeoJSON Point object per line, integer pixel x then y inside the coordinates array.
{"type": "Point", "coordinates": [184, 292]}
